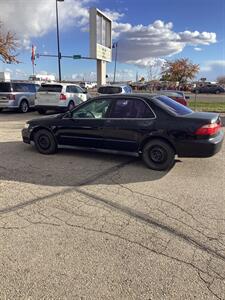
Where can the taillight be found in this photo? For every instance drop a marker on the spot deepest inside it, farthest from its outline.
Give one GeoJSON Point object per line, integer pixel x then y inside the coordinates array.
{"type": "Point", "coordinates": [11, 97]}
{"type": "Point", "coordinates": [62, 97]}
{"type": "Point", "coordinates": [209, 129]}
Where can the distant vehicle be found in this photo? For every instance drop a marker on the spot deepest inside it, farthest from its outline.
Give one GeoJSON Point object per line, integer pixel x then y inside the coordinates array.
{"type": "Point", "coordinates": [178, 96]}
{"type": "Point", "coordinates": [42, 78]}
{"type": "Point", "coordinates": [208, 89]}
{"type": "Point", "coordinates": [59, 97]}
{"type": "Point", "coordinates": [153, 127]}
{"type": "Point", "coordinates": [114, 89]}
{"type": "Point", "coordinates": [88, 85]}
{"type": "Point", "coordinates": [17, 95]}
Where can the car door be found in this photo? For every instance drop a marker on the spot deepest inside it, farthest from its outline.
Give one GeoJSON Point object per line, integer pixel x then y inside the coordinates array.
{"type": "Point", "coordinates": [83, 127]}
{"type": "Point", "coordinates": [129, 120]}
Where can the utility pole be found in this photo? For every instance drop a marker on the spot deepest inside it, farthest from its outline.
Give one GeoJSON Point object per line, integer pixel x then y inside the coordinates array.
{"type": "Point", "coordinates": [58, 44]}
{"type": "Point", "coordinates": [115, 45]}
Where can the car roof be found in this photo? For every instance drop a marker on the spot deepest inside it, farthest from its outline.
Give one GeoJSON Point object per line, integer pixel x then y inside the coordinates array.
{"type": "Point", "coordinates": [114, 85]}
{"type": "Point", "coordinates": [126, 96]}
{"type": "Point", "coordinates": [60, 83]}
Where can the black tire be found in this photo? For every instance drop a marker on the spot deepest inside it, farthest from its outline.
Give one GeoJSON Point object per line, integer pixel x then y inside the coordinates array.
{"type": "Point", "coordinates": [217, 92]}
{"type": "Point", "coordinates": [44, 142]}
{"type": "Point", "coordinates": [41, 111]}
{"type": "Point", "coordinates": [71, 106]}
{"type": "Point", "coordinates": [158, 155]}
{"type": "Point", "coordinates": [24, 106]}
{"type": "Point", "coordinates": [1, 109]}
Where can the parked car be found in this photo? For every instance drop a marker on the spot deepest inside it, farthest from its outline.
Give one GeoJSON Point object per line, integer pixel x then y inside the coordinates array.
{"type": "Point", "coordinates": [209, 89]}
{"type": "Point", "coordinates": [17, 95]}
{"type": "Point", "coordinates": [88, 85]}
{"type": "Point", "coordinates": [59, 97]}
{"type": "Point", "coordinates": [114, 89]}
{"type": "Point", "coordinates": [154, 127]}
{"type": "Point", "coordinates": [178, 96]}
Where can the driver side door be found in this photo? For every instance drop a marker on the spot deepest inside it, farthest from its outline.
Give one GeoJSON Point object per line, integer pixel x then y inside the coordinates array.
{"type": "Point", "coordinates": [84, 128]}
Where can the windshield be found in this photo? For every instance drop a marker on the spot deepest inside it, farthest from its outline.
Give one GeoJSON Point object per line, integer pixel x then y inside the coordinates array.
{"type": "Point", "coordinates": [173, 106]}
{"type": "Point", "coordinates": [56, 88]}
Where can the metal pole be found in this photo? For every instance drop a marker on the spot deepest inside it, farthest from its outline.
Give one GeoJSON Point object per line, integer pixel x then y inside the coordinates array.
{"type": "Point", "coordinates": [115, 62]}
{"type": "Point", "coordinates": [59, 53]}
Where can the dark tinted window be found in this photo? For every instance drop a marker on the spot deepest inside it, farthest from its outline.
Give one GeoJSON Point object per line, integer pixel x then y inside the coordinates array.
{"type": "Point", "coordinates": [110, 90]}
{"type": "Point", "coordinates": [20, 87]}
{"type": "Point", "coordinates": [173, 106]}
{"type": "Point", "coordinates": [50, 88]}
{"type": "Point", "coordinates": [5, 87]}
{"type": "Point", "coordinates": [31, 88]}
{"type": "Point", "coordinates": [131, 109]}
{"type": "Point", "coordinates": [69, 89]}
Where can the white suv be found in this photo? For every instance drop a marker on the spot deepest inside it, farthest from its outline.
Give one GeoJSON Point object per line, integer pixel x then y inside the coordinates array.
{"type": "Point", "coordinates": [59, 97]}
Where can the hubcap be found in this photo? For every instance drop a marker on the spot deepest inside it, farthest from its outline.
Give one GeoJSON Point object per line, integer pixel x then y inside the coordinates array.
{"type": "Point", "coordinates": [71, 106]}
{"type": "Point", "coordinates": [157, 154]}
{"type": "Point", "coordinates": [24, 107]}
{"type": "Point", "coordinates": [44, 142]}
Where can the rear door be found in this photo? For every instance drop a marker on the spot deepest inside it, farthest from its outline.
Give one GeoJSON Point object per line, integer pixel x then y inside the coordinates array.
{"type": "Point", "coordinates": [85, 127]}
{"type": "Point", "coordinates": [128, 122]}
{"type": "Point", "coordinates": [78, 92]}
{"type": "Point", "coordinates": [49, 94]}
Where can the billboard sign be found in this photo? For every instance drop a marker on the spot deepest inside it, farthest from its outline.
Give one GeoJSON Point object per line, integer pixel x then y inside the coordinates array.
{"type": "Point", "coordinates": [100, 30]}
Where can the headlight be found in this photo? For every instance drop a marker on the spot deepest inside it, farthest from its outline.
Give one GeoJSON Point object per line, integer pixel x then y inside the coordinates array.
{"type": "Point", "coordinates": [26, 125]}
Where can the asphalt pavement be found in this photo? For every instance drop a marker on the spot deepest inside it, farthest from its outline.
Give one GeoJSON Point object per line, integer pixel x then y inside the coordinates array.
{"type": "Point", "coordinates": [80, 225]}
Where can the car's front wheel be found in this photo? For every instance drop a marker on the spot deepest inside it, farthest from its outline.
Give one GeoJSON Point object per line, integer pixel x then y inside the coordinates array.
{"type": "Point", "coordinates": [158, 155]}
{"type": "Point", "coordinates": [45, 142]}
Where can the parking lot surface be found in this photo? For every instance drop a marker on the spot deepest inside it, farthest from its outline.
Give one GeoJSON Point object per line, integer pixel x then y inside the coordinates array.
{"type": "Point", "coordinates": [80, 225]}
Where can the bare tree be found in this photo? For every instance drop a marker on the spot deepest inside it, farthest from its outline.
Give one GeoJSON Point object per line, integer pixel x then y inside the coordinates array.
{"type": "Point", "coordinates": [153, 70]}
{"type": "Point", "coordinates": [8, 46]}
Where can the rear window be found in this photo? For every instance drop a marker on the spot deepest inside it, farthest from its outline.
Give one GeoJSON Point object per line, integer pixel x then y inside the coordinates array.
{"type": "Point", "coordinates": [110, 90]}
{"type": "Point", "coordinates": [56, 88]}
{"type": "Point", "coordinates": [5, 87]}
{"type": "Point", "coordinates": [173, 106]}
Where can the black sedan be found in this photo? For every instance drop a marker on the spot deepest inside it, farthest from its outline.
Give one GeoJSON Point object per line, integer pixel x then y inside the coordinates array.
{"type": "Point", "coordinates": [154, 127]}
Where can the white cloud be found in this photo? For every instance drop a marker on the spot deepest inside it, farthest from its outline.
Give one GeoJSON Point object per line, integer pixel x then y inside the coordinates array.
{"type": "Point", "coordinates": [141, 44]}
{"type": "Point", "coordinates": [36, 18]}
{"type": "Point", "coordinates": [198, 49]}
{"type": "Point", "coordinates": [212, 69]}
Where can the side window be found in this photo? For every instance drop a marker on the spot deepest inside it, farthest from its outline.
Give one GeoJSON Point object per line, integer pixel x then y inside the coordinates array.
{"type": "Point", "coordinates": [95, 109]}
{"type": "Point", "coordinates": [74, 89]}
{"type": "Point", "coordinates": [20, 87]}
{"type": "Point", "coordinates": [131, 108]}
{"type": "Point", "coordinates": [31, 88]}
{"type": "Point", "coordinates": [69, 89]}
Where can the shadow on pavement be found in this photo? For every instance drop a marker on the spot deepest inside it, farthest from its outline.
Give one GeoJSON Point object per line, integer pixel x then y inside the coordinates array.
{"type": "Point", "coordinates": [22, 163]}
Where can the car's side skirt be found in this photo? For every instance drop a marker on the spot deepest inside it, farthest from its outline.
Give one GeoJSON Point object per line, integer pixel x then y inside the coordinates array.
{"type": "Point", "coordinates": [135, 154]}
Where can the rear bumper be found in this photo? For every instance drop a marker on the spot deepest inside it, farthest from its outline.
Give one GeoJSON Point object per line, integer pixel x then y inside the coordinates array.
{"type": "Point", "coordinates": [52, 107]}
{"type": "Point", "coordinates": [200, 148]}
{"type": "Point", "coordinates": [26, 135]}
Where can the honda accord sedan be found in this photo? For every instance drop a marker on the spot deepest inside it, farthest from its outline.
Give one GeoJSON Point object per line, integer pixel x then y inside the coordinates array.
{"type": "Point", "coordinates": [154, 127]}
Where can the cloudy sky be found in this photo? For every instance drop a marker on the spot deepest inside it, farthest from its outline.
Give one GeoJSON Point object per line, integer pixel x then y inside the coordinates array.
{"type": "Point", "coordinates": [147, 31]}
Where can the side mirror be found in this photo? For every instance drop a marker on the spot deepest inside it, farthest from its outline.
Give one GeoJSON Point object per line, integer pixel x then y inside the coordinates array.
{"type": "Point", "coordinates": [68, 115]}
{"type": "Point", "coordinates": [85, 91]}
{"type": "Point", "coordinates": [187, 97]}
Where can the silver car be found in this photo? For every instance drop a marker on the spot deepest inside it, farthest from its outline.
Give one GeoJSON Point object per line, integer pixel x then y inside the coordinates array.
{"type": "Point", "coordinates": [17, 95]}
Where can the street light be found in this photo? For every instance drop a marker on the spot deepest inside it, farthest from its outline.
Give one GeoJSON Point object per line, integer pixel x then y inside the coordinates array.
{"type": "Point", "coordinates": [57, 28]}
{"type": "Point", "coordinates": [115, 45]}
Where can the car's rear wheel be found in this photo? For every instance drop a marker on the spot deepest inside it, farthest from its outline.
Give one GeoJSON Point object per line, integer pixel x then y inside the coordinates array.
{"type": "Point", "coordinates": [45, 142]}
{"type": "Point", "coordinates": [158, 155]}
{"type": "Point", "coordinates": [41, 111]}
{"type": "Point", "coordinates": [217, 92]}
{"type": "Point", "coordinates": [71, 105]}
{"type": "Point", "coordinates": [24, 106]}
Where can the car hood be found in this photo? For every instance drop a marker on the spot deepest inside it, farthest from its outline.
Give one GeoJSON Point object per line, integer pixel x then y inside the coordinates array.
{"type": "Point", "coordinates": [44, 119]}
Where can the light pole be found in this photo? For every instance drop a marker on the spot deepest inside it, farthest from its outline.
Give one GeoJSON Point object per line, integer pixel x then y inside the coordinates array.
{"type": "Point", "coordinates": [115, 45]}
{"type": "Point", "coordinates": [57, 29]}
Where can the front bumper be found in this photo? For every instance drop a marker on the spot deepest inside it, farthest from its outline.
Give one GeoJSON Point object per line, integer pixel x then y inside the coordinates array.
{"type": "Point", "coordinates": [200, 148]}
{"type": "Point", "coordinates": [26, 135]}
